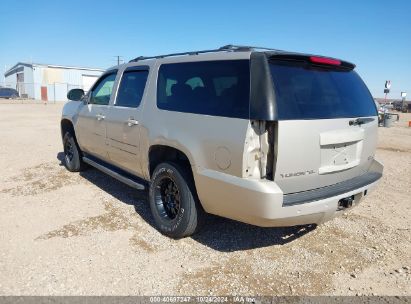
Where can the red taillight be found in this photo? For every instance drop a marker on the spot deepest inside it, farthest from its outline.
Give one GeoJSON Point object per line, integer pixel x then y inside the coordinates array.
{"type": "Point", "coordinates": [322, 60]}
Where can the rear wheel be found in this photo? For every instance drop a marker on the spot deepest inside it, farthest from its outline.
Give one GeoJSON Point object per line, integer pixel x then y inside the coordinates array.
{"type": "Point", "coordinates": [72, 154]}
{"type": "Point", "coordinates": [173, 201]}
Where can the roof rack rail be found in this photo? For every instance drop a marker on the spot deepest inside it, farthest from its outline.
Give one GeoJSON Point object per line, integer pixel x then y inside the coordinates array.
{"type": "Point", "coordinates": [225, 48]}
{"type": "Point", "coordinates": [234, 47]}
{"type": "Point", "coordinates": [174, 54]}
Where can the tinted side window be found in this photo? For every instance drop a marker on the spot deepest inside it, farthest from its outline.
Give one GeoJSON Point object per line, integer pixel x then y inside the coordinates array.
{"type": "Point", "coordinates": [131, 89]}
{"type": "Point", "coordinates": [102, 91]}
{"type": "Point", "coordinates": [219, 88]}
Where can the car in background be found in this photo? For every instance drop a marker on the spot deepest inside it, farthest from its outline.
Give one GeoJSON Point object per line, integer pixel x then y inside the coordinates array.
{"type": "Point", "coordinates": [388, 106]}
{"type": "Point", "coordinates": [397, 105]}
{"type": "Point", "coordinates": [8, 93]}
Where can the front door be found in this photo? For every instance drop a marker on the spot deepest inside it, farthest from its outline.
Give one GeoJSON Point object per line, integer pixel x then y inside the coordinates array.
{"type": "Point", "coordinates": [91, 126]}
{"type": "Point", "coordinates": [122, 120]}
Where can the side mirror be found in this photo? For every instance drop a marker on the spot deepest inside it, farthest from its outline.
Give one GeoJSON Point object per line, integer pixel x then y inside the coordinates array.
{"type": "Point", "coordinates": [75, 94]}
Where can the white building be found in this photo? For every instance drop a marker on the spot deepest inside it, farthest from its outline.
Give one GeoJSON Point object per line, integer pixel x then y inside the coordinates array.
{"type": "Point", "coordinates": [49, 82]}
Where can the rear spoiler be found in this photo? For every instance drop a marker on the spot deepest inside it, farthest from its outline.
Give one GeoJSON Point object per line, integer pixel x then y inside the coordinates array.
{"type": "Point", "coordinates": [314, 60]}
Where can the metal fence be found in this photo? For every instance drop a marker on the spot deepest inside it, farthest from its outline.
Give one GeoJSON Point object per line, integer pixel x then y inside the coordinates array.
{"type": "Point", "coordinates": [54, 92]}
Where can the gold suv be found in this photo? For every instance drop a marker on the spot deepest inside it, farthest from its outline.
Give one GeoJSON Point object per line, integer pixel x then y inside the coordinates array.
{"type": "Point", "coordinates": [262, 136]}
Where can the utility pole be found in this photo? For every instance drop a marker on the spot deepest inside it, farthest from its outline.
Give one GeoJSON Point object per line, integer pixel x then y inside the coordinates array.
{"type": "Point", "coordinates": [118, 59]}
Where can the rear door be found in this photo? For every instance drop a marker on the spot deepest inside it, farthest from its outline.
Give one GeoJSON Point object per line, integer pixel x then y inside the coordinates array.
{"type": "Point", "coordinates": [327, 127]}
{"type": "Point", "coordinates": [123, 120]}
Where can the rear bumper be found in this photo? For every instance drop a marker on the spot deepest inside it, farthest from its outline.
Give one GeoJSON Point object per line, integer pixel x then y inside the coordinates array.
{"type": "Point", "coordinates": [261, 202]}
{"type": "Point", "coordinates": [331, 191]}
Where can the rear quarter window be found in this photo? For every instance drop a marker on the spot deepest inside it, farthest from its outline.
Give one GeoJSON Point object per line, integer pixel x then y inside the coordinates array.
{"type": "Point", "coordinates": [308, 92]}
{"type": "Point", "coordinates": [218, 88]}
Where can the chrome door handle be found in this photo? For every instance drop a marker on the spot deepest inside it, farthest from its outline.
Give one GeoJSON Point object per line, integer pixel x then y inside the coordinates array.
{"type": "Point", "coordinates": [100, 116]}
{"type": "Point", "coordinates": [132, 122]}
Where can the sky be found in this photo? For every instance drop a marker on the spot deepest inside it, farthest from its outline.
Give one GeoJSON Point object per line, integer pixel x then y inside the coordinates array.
{"type": "Point", "coordinates": [373, 34]}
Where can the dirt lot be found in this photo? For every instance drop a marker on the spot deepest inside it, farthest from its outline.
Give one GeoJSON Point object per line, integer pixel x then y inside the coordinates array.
{"type": "Point", "coordinates": [87, 234]}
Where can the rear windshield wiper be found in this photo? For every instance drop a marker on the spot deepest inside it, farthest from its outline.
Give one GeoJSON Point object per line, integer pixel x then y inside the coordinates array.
{"type": "Point", "coordinates": [360, 121]}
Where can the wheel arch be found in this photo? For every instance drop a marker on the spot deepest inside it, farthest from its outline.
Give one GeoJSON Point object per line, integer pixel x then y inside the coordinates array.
{"type": "Point", "coordinates": [160, 153]}
{"type": "Point", "coordinates": [66, 125]}
{"type": "Point", "coordinates": [164, 153]}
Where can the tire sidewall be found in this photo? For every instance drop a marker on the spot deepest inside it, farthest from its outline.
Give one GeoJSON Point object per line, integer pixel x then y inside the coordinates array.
{"type": "Point", "coordinates": [74, 164]}
{"type": "Point", "coordinates": [175, 227]}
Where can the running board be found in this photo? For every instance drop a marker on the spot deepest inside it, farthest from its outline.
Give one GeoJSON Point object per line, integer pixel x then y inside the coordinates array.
{"type": "Point", "coordinates": [114, 174]}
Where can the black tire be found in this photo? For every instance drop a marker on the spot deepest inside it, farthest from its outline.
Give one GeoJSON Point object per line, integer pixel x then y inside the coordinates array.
{"type": "Point", "coordinates": [174, 203]}
{"type": "Point", "coordinates": [72, 154]}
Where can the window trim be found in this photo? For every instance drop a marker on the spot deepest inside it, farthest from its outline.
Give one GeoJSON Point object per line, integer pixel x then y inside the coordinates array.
{"type": "Point", "coordinates": [138, 68]}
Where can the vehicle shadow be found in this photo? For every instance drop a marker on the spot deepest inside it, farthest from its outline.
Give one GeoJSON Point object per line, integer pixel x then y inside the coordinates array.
{"type": "Point", "coordinates": [228, 235]}
{"type": "Point", "coordinates": [60, 157]}
{"type": "Point", "coordinates": [218, 233]}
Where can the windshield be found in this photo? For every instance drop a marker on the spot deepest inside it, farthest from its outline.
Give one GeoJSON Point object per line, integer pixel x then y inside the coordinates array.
{"type": "Point", "coordinates": [307, 92]}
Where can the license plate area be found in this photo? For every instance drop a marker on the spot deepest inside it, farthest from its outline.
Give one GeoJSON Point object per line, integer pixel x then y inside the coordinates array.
{"type": "Point", "coordinates": [338, 157]}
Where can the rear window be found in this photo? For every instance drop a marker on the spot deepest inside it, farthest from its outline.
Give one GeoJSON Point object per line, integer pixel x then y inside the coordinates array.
{"type": "Point", "coordinates": [307, 92]}
{"type": "Point", "coordinates": [218, 88]}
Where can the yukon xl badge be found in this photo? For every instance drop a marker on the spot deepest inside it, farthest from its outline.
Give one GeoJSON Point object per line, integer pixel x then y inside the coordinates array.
{"type": "Point", "coordinates": [295, 174]}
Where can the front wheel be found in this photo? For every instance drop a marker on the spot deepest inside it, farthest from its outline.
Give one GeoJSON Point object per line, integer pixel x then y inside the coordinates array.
{"type": "Point", "coordinates": [72, 154]}
{"type": "Point", "coordinates": [173, 201]}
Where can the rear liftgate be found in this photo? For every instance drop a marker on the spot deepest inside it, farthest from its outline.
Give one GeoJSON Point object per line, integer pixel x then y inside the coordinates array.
{"type": "Point", "coordinates": [321, 127]}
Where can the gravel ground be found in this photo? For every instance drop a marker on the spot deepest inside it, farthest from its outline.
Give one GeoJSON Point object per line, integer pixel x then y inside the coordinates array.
{"type": "Point", "coordinates": [64, 233]}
